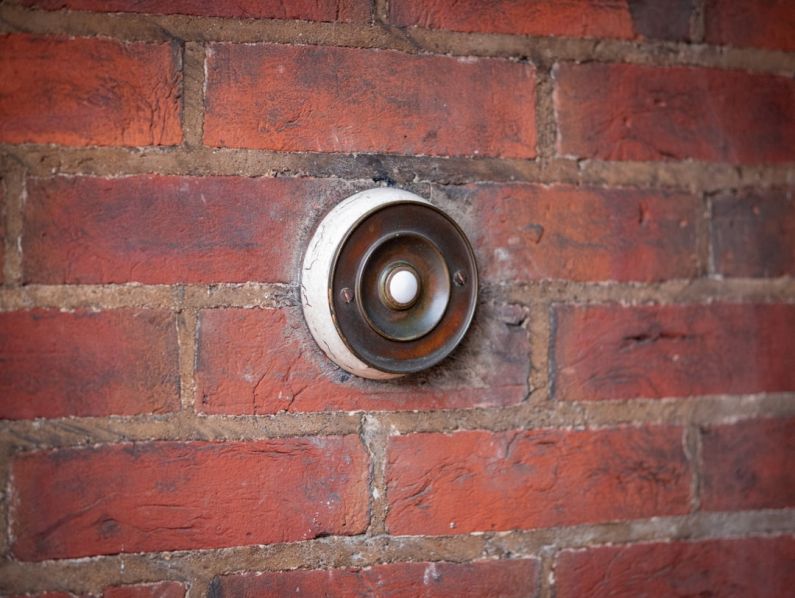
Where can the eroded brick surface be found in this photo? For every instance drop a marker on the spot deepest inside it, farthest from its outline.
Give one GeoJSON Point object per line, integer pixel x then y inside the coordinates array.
{"type": "Point", "coordinates": [324, 99]}
{"type": "Point", "coordinates": [743, 567]}
{"type": "Point", "coordinates": [442, 484]}
{"type": "Point", "coordinates": [88, 92]}
{"type": "Point", "coordinates": [187, 495]}
{"type": "Point", "coordinates": [617, 352]}
{"type": "Point", "coordinates": [636, 112]}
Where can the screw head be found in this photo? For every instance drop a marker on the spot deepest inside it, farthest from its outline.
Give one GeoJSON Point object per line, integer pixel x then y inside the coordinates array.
{"type": "Point", "coordinates": [347, 295]}
{"type": "Point", "coordinates": [460, 278]}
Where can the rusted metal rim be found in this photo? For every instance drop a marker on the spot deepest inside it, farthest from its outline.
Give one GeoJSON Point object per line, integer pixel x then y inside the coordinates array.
{"type": "Point", "coordinates": [402, 341]}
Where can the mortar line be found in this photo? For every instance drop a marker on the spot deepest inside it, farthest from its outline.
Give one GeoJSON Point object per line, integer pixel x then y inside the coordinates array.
{"type": "Point", "coordinates": [158, 28]}
{"type": "Point", "coordinates": [698, 21]}
{"type": "Point", "coordinates": [539, 332]}
{"type": "Point", "coordinates": [532, 295]}
{"type": "Point", "coordinates": [187, 333]}
{"type": "Point", "coordinates": [546, 583]}
{"type": "Point", "coordinates": [6, 484]}
{"type": "Point", "coordinates": [701, 230]}
{"type": "Point", "coordinates": [381, 11]}
{"type": "Point", "coordinates": [95, 573]}
{"type": "Point", "coordinates": [194, 82]}
{"type": "Point", "coordinates": [373, 427]}
{"type": "Point", "coordinates": [709, 203]}
{"type": "Point", "coordinates": [46, 161]}
{"type": "Point", "coordinates": [694, 445]}
{"type": "Point", "coordinates": [14, 197]}
{"type": "Point", "coordinates": [374, 438]}
{"type": "Point", "coordinates": [546, 121]}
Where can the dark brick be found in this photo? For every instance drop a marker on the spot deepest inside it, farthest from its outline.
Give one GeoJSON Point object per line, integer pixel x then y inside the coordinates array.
{"type": "Point", "coordinates": [748, 465]}
{"type": "Point", "coordinates": [617, 352]}
{"type": "Point", "coordinates": [638, 112]}
{"type": "Point", "coordinates": [484, 579]}
{"type": "Point", "coordinates": [357, 11]}
{"type": "Point", "coordinates": [662, 20]}
{"type": "Point", "coordinates": [754, 233]}
{"type": "Point", "coordinates": [759, 567]}
{"type": "Point", "coordinates": [766, 24]}
{"type": "Point", "coordinates": [573, 18]}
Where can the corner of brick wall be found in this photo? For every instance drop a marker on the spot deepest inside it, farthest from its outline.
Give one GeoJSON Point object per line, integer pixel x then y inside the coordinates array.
{"type": "Point", "coordinates": [619, 419]}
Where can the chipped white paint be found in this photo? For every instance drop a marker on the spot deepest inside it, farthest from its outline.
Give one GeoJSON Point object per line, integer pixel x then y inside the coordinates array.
{"type": "Point", "coordinates": [316, 274]}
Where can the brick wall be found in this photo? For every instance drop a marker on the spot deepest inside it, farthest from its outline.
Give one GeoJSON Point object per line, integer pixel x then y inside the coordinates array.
{"type": "Point", "coordinates": [619, 419]}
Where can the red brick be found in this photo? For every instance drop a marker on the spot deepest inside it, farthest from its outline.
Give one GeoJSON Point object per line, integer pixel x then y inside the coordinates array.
{"type": "Point", "coordinates": [2, 231]}
{"type": "Point", "coordinates": [88, 92]}
{"type": "Point", "coordinates": [574, 18]}
{"type": "Point", "coordinates": [759, 567]}
{"type": "Point", "coordinates": [749, 465]}
{"type": "Point", "coordinates": [56, 364]}
{"type": "Point", "coordinates": [533, 232]}
{"type": "Point", "coordinates": [164, 589]}
{"type": "Point", "coordinates": [483, 481]}
{"type": "Point", "coordinates": [311, 10]}
{"type": "Point", "coordinates": [514, 578]}
{"type": "Point", "coordinates": [186, 495]}
{"type": "Point", "coordinates": [635, 112]}
{"type": "Point", "coordinates": [769, 24]}
{"type": "Point", "coordinates": [754, 233]}
{"type": "Point", "coordinates": [260, 361]}
{"type": "Point", "coordinates": [577, 18]}
{"type": "Point", "coordinates": [324, 99]}
{"type": "Point", "coordinates": [168, 229]}
{"type": "Point", "coordinates": [615, 352]}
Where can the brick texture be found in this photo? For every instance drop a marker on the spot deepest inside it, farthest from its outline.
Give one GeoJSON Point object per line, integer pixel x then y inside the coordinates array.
{"type": "Point", "coordinates": [618, 420]}
{"type": "Point", "coordinates": [769, 24]}
{"type": "Point", "coordinates": [484, 481]}
{"type": "Point", "coordinates": [56, 364]}
{"type": "Point", "coordinates": [2, 232]}
{"type": "Point", "coordinates": [88, 92]}
{"type": "Point", "coordinates": [165, 589]}
{"type": "Point", "coordinates": [533, 232]}
{"type": "Point", "coordinates": [162, 229]}
{"type": "Point", "coordinates": [754, 233]}
{"type": "Point", "coordinates": [749, 466]}
{"type": "Point", "coordinates": [574, 18]}
{"type": "Point", "coordinates": [616, 352]}
{"type": "Point", "coordinates": [310, 10]}
{"type": "Point", "coordinates": [507, 579]}
{"type": "Point", "coordinates": [183, 495]}
{"type": "Point", "coordinates": [580, 18]}
{"type": "Point", "coordinates": [634, 112]}
{"type": "Point", "coordinates": [745, 567]}
{"type": "Point", "coordinates": [326, 99]}
{"type": "Point", "coordinates": [261, 361]}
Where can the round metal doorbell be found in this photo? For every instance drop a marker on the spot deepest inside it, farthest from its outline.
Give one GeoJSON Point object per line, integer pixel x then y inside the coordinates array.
{"type": "Point", "coordinates": [389, 284]}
